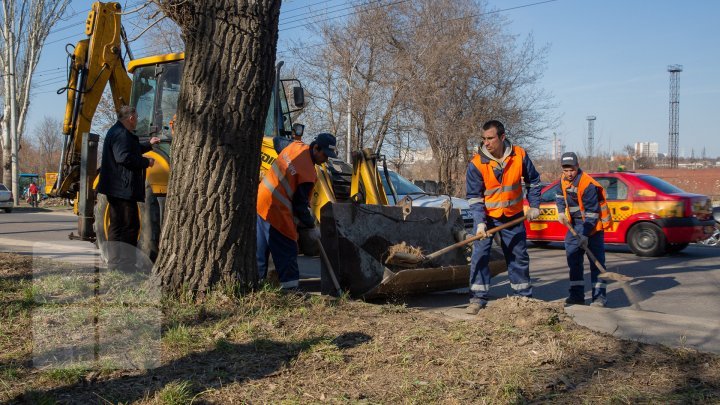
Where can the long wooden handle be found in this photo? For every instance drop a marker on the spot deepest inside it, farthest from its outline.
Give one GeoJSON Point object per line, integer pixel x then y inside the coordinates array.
{"type": "Point", "coordinates": [474, 238]}
{"type": "Point", "coordinates": [590, 254]}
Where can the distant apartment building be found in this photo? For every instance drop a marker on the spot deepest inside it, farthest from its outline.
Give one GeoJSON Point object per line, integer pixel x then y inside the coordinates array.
{"type": "Point", "coordinates": [646, 149]}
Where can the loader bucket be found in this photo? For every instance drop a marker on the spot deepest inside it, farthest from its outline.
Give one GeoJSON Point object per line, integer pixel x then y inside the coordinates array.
{"type": "Point", "coordinates": [357, 237]}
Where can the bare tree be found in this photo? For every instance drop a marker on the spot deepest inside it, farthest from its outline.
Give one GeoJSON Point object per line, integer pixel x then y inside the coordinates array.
{"type": "Point", "coordinates": [208, 234]}
{"type": "Point", "coordinates": [25, 26]}
{"type": "Point", "coordinates": [446, 62]}
{"type": "Point", "coordinates": [48, 140]}
{"type": "Point", "coordinates": [162, 35]}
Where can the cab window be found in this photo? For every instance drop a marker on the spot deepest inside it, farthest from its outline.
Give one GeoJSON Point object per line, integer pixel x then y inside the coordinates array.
{"type": "Point", "coordinates": [615, 188]}
{"type": "Point", "coordinates": [142, 97]}
{"type": "Point", "coordinates": [550, 194]}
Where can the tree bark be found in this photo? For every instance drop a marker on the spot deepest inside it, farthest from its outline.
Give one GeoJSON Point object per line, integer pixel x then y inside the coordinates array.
{"type": "Point", "coordinates": [208, 235]}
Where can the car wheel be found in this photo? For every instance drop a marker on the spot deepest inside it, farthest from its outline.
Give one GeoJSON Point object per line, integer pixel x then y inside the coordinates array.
{"type": "Point", "coordinates": [675, 247]}
{"type": "Point", "coordinates": [8, 210]}
{"type": "Point", "coordinates": [646, 239]}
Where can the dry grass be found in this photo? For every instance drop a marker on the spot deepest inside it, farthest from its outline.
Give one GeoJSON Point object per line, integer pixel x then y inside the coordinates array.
{"type": "Point", "coordinates": [273, 347]}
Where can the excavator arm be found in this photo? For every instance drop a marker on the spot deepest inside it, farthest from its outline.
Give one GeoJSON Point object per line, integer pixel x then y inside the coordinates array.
{"type": "Point", "coordinates": [95, 62]}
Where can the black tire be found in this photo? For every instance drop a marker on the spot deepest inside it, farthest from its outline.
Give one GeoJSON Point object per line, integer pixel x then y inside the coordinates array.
{"type": "Point", "coordinates": [675, 247]}
{"type": "Point", "coordinates": [100, 212]}
{"type": "Point", "coordinates": [8, 210]}
{"type": "Point", "coordinates": [646, 239]}
{"type": "Point", "coordinates": [149, 241]}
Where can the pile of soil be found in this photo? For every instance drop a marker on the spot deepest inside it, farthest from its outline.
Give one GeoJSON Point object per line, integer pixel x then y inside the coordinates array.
{"type": "Point", "coordinates": [54, 202]}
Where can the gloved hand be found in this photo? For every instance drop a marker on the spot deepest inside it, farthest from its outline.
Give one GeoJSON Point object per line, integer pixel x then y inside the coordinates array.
{"type": "Point", "coordinates": [583, 240]}
{"type": "Point", "coordinates": [482, 230]}
{"type": "Point", "coordinates": [562, 218]}
{"type": "Point", "coordinates": [532, 214]}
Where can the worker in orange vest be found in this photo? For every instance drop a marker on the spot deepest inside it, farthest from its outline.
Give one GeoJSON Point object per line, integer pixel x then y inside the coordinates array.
{"type": "Point", "coordinates": [283, 196]}
{"type": "Point", "coordinates": [494, 191]}
{"type": "Point", "coordinates": [583, 206]}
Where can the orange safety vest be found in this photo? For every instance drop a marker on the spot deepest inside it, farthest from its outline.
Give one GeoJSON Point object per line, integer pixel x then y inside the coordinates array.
{"type": "Point", "coordinates": [292, 167]}
{"type": "Point", "coordinates": [605, 222]}
{"type": "Point", "coordinates": [504, 198]}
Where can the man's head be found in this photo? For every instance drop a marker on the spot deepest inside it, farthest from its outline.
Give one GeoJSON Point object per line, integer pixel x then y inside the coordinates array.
{"type": "Point", "coordinates": [493, 137]}
{"type": "Point", "coordinates": [323, 147]}
{"type": "Point", "coordinates": [128, 117]}
{"type": "Point", "coordinates": [570, 165]}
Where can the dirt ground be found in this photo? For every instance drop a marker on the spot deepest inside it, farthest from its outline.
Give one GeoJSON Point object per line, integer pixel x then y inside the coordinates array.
{"type": "Point", "coordinates": [701, 181]}
{"type": "Point", "coordinates": [299, 348]}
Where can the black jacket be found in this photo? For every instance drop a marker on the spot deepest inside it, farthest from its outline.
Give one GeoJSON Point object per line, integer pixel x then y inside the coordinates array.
{"type": "Point", "coordinates": [122, 169]}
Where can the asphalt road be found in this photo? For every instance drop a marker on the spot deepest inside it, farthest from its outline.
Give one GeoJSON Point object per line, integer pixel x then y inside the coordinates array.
{"type": "Point", "coordinates": [677, 293]}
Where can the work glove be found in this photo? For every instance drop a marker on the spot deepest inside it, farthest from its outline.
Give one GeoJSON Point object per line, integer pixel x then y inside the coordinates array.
{"type": "Point", "coordinates": [583, 240]}
{"type": "Point", "coordinates": [481, 230]}
{"type": "Point", "coordinates": [532, 214]}
{"type": "Point", "coordinates": [562, 218]}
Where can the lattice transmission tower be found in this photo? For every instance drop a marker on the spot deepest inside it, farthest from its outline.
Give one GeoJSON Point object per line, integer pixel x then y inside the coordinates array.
{"type": "Point", "coordinates": [591, 135]}
{"type": "Point", "coordinates": [674, 132]}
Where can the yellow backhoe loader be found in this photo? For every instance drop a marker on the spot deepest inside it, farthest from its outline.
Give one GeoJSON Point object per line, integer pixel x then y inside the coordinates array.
{"type": "Point", "coordinates": [343, 195]}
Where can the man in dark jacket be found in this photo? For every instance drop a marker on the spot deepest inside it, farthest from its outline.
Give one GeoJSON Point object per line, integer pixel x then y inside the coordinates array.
{"type": "Point", "coordinates": [122, 180]}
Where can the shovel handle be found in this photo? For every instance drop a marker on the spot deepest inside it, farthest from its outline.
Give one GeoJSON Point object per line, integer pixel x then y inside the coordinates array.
{"type": "Point", "coordinates": [474, 238]}
{"type": "Point", "coordinates": [589, 254]}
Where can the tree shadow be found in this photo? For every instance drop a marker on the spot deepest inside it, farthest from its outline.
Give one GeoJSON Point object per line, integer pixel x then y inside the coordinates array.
{"type": "Point", "coordinates": [227, 363]}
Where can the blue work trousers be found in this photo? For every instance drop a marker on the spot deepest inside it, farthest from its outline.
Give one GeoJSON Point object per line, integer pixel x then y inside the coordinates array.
{"type": "Point", "coordinates": [575, 259]}
{"type": "Point", "coordinates": [514, 247]}
{"type": "Point", "coordinates": [284, 253]}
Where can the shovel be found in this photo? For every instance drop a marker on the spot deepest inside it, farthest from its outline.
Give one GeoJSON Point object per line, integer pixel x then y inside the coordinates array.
{"type": "Point", "coordinates": [603, 273]}
{"type": "Point", "coordinates": [409, 259]}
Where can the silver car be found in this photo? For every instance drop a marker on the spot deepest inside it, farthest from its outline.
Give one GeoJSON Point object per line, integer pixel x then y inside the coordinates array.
{"type": "Point", "coordinates": [420, 198]}
{"type": "Point", "coordinates": [6, 199]}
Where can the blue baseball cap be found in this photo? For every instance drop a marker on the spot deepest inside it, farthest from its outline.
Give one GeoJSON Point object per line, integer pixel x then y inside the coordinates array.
{"type": "Point", "coordinates": [327, 144]}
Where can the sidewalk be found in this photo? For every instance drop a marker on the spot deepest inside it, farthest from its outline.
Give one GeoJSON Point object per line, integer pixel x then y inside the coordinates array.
{"type": "Point", "coordinates": [81, 253]}
{"type": "Point", "coordinates": [643, 326]}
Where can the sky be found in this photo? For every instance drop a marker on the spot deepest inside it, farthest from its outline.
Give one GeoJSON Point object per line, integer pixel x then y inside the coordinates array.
{"type": "Point", "coordinates": [606, 58]}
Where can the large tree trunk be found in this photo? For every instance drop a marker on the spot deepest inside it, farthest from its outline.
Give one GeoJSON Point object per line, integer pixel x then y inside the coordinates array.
{"type": "Point", "coordinates": [209, 232]}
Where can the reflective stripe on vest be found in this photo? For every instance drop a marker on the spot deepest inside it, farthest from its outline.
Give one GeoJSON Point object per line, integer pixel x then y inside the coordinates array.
{"type": "Point", "coordinates": [292, 167]}
{"type": "Point", "coordinates": [503, 198]}
{"type": "Point", "coordinates": [585, 180]}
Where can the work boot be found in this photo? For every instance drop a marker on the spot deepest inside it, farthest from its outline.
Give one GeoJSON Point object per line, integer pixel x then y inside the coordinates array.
{"type": "Point", "coordinates": [474, 308]}
{"type": "Point", "coordinates": [599, 303]}
{"type": "Point", "coordinates": [574, 301]}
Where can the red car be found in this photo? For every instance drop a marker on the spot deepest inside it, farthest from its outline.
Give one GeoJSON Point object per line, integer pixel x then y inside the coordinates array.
{"type": "Point", "coordinates": [650, 215]}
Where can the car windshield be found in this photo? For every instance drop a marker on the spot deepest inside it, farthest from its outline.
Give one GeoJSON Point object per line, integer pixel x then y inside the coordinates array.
{"type": "Point", "coordinates": [3, 188]}
{"type": "Point", "coordinates": [662, 185]}
{"type": "Point", "coordinates": [402, 185]}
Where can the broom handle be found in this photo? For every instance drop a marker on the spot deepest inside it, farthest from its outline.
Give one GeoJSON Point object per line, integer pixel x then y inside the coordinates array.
{"type": "Point", "coordinates": [589, 254]}
{"type": "Point", "coordinates": [474, 238]}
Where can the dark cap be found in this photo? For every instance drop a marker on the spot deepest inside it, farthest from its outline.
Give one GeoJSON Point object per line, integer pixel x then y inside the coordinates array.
{"type": "Point", "coordinates": [569, 159]}
{"type": "Point", "coordinates": [327, 143]}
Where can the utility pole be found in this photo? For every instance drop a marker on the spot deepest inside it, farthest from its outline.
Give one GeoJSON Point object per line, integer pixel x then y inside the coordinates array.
{"type": "Point", "coordinates": [13, 118]}
{"type": "Point", "coordinates": [591, 134]}
{"type": "Point", "coordinates": [674, 132]}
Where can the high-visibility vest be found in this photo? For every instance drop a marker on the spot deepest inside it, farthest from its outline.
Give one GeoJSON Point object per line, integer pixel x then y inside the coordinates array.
{"type": "Point", "coordinates": [605, 222]}
{"type": "Point", "coordinates": [292, 167]}
{"type": "Point", "coordinates": [506, 197]}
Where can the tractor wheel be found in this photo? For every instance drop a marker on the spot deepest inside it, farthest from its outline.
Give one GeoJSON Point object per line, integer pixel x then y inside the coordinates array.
{"type": "Point", "coordinates": [149, 239]}
{"type": "Point", "coordinates": [100, 225]}
{"type": "Point", "coordinates": [646, 239]}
